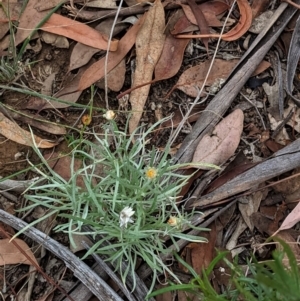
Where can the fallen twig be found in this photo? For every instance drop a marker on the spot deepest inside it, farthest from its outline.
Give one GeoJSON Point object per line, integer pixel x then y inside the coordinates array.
{"type": "Point", "coordinates": [87, 276]}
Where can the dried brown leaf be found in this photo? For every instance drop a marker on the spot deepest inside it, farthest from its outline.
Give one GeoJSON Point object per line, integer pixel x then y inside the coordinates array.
{"type": "Point", "coordinates": [235, 33]}
{"type": "Point", "coordinates": [81, 54]}
{"type": "Point", "coordinates": [218, 147]}
{"type": "Point", "coordinates": [202, 254]}
{"type": "Point", "coordinates": [97, 70]}
{"type": "Point", "coordinates": [149, 45]}
{"type": "Point", "coordinates": [210, 10]}
{"type": "Point", "coordinates": [211, 18]}
{"type": "Point", "coordinates": [26, 21]}
{"type": "Point", "coordinates": [61, 164]}
{"type": "Point", "coordinates": [12, 131]}
{"type": "Point", "coordinates": [182, 25]}
{"type": "Point", "coordinates": [292, 219]}
{"type": "Point", "coordinates": [201, 21]}
{"type": "Point", "coordinates": [45, 5]}
{"type": "Point", "coordinates": [59, 25]}
{"type": "Point", "coordinates": [78, 31]}
{"type": "Point", "coordinates": [115, 78]}
{"type": "Point", "coordinates": [68, 93]}
{"type": "Point", "coordinates": [11, 8]}
{"type": "Point", "coordinates": [264, 65]}
{"type": "Point", "coordinates": [10, 254]}
{"type": "Point", "coordinates": [101, 4]}
{"type": "Point", "coordinates": [249, 207]}
{"type": "Point", "coordinates": [193, 77]}
{"type": "Point", "coordinates": [36, 121]}
{"type": "Point", "coordinates": [259, 6]}
{"type": "Point", "coordinates": [171, 57]}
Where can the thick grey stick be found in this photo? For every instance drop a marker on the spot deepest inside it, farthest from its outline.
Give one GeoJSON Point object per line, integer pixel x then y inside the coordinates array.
{"type": "Point", "coordinates": [285, 160]}
{"type": "Point", "coordinates": [85, 274]}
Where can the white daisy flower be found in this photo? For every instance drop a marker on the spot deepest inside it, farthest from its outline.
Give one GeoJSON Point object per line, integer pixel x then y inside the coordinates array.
{"type": "Point", "coordinates": [125, 216]}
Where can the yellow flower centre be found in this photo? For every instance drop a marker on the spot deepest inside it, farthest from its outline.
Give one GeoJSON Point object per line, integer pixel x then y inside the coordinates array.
{"type": "Point", "coordinates": [151, 173]}
{"type": "Point", "coordinates": [172, 221]}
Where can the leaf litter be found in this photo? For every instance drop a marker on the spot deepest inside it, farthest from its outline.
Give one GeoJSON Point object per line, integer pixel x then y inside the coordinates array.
{"type": "Point", "coordinates": [152, 50]}
{"type": "Point", "coordinates": [149, 44]}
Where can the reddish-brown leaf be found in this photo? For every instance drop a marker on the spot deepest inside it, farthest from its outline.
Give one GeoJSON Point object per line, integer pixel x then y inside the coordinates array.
{"type": "Point", "coordinates": [235, 33]}
{"type": "Point", "coordinates": [210, 10]}
{"type": "Point", "coordinates": [181, 26]}
{"type": "Point", "coordinates": [210, 17]}
{"type": "Point", "coordinates": [172, 54]}
{"type": "Point", "coordinates": [78, 31]}
{"type": "Point", "coordinates": [97, 70]}
{"type": "Point", "coordinates": [202, 254]}
{"type": "Point", "coordinates": [201, 21]}
{"type": "Point", "coordinates": [82, 54]}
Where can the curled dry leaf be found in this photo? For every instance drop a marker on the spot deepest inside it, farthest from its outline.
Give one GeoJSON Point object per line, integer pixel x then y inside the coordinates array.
{"type": "Point", "coordinates": [11, 254]}
{"type": "Point", "coordinates": [12, 131]}
{"type": "Point", "coordinates": [235, 33]}
{"type": "Point", "coordinates": [210, 10]}
{"type": "Point", "coordinates": [218, 147]}
{"type": "Point", "coordinates": [97, 70]}
{"type": "Point", "coordinates": [149, 45]}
